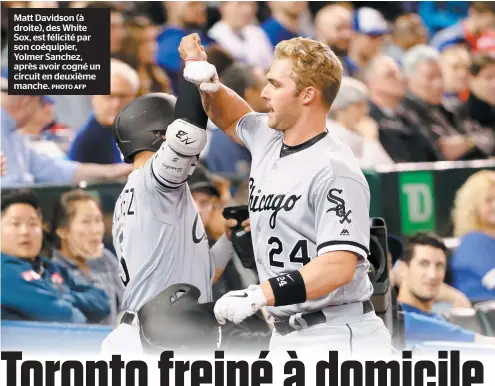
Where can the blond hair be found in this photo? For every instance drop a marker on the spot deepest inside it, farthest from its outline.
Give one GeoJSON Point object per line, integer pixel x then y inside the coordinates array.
{"type": "Point", "coordinates": [313, 64]}
{"type": "Point", "coordinates": [468, 197]}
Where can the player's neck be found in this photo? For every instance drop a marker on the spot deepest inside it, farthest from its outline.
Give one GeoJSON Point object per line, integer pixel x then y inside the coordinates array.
{"type": "Point", "coordinates": [304, 130]}
{"type": "Point", "coordinates": [407, 297]}
{"type": "Point", "coordinates": [141, 158]}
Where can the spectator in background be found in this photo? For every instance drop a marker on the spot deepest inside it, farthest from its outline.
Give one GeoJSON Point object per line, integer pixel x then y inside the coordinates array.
{"type": "Point", "coordinates": [423, 108]}
{"type": "Point", "coordinates": [481, 18]}
{"type": "Point", "coordinates": [46, 135]}
{"type": "Point", "coordinates": [480, 107]}
{"type": "Point", "coordinates": [398, 271]}
{"type": "Point", "coordinates": [408, 31]}
{"type": "Point", "coordinates": [183, 18]}
{"type": "Point", "coordinates": [285, 20]}
{"type": "Point", "coordinates": [455, 62]}
{"type": "Point", "coordinates": [211, 194]}
{"type": "Point", "coordinates": [333, 25]}
{"type": "Point", "coordinates": [386, 86]}
{"type": "Point", "coordinates": [139, 52]}
{"type": "Point", "coordinates": [425, 261]}
{"type": "Point", "coordinates": [77, 233]}
{"type": "Point", "coordinates": [117, 23]}
{"type": "Point", "coordinates": [25, 165]}
{"type": "Point", "coordinates": [204, 190]}
{"type": "Point", "coordinates": [220, 58]}
{"type": "Point", "coordinates": [33, 287]}
{"type": "Point", "coordinates": [350, 121]}
{"type": "Point", "coordinates": [237, 33]}
{"type": "Point", "coordinates": [222, 154]}
{"type": "Point", "coordinates": [124, 87]}
{"type": "Point", "coordinates": [473, 261]}
{"type": "Point", "coordinates": [438, 15]}
{"type": "Point", "coordinates": [74, 110]}
{"type": "Point", "coordinates": [370, 29]}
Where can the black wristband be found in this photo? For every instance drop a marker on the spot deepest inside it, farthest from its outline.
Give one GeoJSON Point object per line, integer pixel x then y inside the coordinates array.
{"type": "Point", "coordinates": [288, 289]}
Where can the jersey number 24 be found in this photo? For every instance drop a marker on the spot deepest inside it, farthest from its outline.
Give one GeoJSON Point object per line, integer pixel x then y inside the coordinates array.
{"type": "Point", "coordinates": [299, 253]}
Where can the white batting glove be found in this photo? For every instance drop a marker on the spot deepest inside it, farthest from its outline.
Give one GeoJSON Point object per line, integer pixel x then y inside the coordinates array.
{"type": "Point", "coordinates": [202, 74]}
{"type": "Point", "coordinates": [239, 305]}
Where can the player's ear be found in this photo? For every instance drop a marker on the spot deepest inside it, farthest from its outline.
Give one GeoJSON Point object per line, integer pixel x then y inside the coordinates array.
{"type": "Point", "coordinates": [309, 95]}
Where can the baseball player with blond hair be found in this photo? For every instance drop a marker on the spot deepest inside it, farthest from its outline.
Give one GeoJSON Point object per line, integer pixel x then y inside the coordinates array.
{"type": "Point", "coordinates": [308, 203]}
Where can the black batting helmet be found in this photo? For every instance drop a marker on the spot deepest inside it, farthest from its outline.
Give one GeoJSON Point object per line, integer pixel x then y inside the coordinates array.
{"type": "Point", "coordinates": [136, 126]}
{"type": "Point", "coordinates": [175, 320]}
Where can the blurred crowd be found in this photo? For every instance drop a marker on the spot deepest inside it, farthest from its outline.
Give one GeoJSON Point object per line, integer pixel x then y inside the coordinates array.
{"type": "Point", "coordinates": [415, 89]}
{"type": "Point", "coordinates": [419, 86]}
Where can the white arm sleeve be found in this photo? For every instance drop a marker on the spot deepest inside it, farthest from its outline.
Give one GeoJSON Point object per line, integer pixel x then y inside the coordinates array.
{"type": "Point", "coordinates": [177, 157]}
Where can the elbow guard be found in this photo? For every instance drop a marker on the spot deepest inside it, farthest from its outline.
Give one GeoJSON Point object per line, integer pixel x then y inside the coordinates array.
{"type": "Point", "coordinates": [179, 154]}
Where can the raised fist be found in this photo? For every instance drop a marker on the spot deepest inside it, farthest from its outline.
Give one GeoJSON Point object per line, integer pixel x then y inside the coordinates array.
{"type": "Point", "coordinates": [190, 48]}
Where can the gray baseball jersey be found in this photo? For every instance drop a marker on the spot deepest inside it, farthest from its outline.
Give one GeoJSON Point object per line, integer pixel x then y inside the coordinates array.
{"type": "Point", "coordinates": [312, 200]}
{"type": "Point", "coordinates": [159, 239]}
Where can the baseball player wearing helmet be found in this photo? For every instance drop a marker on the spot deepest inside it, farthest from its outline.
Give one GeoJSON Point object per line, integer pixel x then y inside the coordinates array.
{"type": "Point", "coordinates": [157, 231]}
{"type": "Point", "coordinates": [308, 201]}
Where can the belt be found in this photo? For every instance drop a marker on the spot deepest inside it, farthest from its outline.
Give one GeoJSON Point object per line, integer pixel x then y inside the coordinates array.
{"type": "Point", "coordinates": [127, 317]}
{"type": "Point", "coordinates": [283, 326]}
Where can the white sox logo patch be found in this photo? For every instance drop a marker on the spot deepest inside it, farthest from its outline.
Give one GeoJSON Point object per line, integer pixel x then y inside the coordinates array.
{"type": "Point", "coordinates": [339, 207]}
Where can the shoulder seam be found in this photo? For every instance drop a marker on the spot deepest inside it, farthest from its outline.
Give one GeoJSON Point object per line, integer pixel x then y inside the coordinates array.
{"type": "Point", "coordinates": [349, 178]}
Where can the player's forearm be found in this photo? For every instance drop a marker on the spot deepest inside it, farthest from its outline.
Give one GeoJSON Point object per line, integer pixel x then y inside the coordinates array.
{"type": "Point", "coordinates": [221, 253]}
{"type": "Point", "coordinates": [321, 276]}
{"type": "Point", "coordinates": [224, 108]}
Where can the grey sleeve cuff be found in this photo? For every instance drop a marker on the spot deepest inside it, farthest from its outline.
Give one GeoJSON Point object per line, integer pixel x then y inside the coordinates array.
{"type": "Point", "coordinates": [222, 252]}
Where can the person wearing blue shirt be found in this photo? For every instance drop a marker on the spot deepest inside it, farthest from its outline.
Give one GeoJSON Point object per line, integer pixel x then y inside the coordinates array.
{"type": "Point", "coordinates": [124, 87]}
{"type": "Point", "coordinates": [184, 18]}
{"type": "Point", "coordinates": [33, 287]}
{"type": "Point", "coordinates": [24, 166]}
{"type": "Point", "coordinates": [473, 261]}
{"type": "Point", "coordinates": [480, 18]}
{"type": "Point", "coordinates": [425, 262]}
{"type": "Point", "coordinates": [284, 21]}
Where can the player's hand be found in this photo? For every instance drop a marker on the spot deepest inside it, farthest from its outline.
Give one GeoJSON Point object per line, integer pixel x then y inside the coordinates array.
{"type": "Point", "coordinates": [231, 223]}
{"type": "Point", "coordinates": [190, 47]}
{"type": "Point", "coordinates": [239, 305]}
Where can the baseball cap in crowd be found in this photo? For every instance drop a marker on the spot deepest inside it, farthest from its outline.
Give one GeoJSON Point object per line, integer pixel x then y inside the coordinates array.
{"type": "Point", "coordinates": [201, 181]}
{"type": "Point", "coordinates": [4, 81]}
{"type": "Point", "coordinates": [369, 21]}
